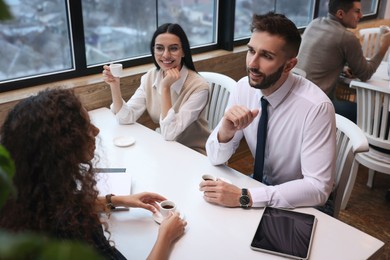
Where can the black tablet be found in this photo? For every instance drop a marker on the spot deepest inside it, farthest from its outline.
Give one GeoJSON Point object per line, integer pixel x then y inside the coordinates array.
{"type": "Point", "coordinates": [285, 233]}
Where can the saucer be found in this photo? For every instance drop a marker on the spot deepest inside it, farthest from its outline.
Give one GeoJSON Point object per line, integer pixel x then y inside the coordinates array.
{"type": "Point", "coordinates": [159, 218]}
{"type": "Point", "coordinates": [123, 141]}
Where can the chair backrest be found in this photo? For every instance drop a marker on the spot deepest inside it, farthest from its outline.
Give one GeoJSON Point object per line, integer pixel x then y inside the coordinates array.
{"type": "Point", "coordinates": [350, 140]}
{"type": "Point", "coordinates": [299, 71]}
{"type": "Point", "coordinates": [220, 87]}
{"type": "Point", "coordinates": [371, 42]}
{"type": "Point", "coordinates": [373, 113]}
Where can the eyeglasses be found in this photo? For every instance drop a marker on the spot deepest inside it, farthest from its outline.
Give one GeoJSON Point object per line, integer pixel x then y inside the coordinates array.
{"type": "Point", "coordinates": [172, 49]}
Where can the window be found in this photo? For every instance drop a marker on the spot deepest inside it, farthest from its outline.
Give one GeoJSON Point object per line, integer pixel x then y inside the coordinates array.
{"type": "Point", "coordinates": [51, 40]}
{"type": "Point", "coordinates": [56, 39]}
{"type": "Point", "coordinates": [301, 12]}
{"type": "Point", "coordinates": [36, 41]}
{"type": "Point", "coordinates": [369, 8]}
{"type": "Point", "coordinates": [245, 9]}
{"type": "Point", "coordinates": [122, 29]}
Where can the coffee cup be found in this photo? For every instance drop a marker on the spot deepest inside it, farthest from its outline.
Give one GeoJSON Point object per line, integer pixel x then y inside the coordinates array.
{"type": "Point", "coordinates": [116, 69]}
{"type": "Point", "coordinates": [166, 207]}
{"type": "Point", "coordinates": [209, 177]}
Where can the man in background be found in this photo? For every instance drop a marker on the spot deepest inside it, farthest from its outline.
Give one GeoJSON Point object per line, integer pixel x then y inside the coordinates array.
{"type": "Point", "coordinates": [328, 48]}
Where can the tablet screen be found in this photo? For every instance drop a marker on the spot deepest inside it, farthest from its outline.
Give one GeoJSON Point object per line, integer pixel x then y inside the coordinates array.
{"type": "Point", "coordinates": [285, 232]}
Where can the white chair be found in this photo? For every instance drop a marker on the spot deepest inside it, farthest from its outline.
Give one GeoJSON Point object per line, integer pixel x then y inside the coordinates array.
{"type": "Point", "coordinates": [373, 118]}
{"type": "Point", "coordinates": [220, 86]}
{"type": "Point", "coordinates": [350, 141]}
{"type": "Point", "coordinates": [371, 42]}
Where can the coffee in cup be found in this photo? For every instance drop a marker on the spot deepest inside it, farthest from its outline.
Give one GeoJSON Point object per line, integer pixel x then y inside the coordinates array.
{"type": "Point", "coordinates": [166, 207]}
{"type": "Point", "coordinates": [209, 177]}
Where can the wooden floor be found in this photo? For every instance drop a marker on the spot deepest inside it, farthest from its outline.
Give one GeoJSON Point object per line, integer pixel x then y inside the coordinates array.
{"type": "Point", "coordinates": [367, 209]}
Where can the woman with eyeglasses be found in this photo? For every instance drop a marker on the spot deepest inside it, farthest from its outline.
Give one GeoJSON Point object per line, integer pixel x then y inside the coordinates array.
{"type": "Point", "coordinates": [173, 93]}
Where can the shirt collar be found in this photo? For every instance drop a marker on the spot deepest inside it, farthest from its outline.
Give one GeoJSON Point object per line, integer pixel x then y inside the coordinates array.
{"type": "Point", "coordinates": [177, 85]}
{"type": "Point", "coordinates": [335, 19]}
{"type": "Point", "coordinates": [276, 98]}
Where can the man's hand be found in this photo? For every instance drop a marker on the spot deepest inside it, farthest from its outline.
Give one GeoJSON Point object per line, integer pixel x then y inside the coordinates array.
{"type": "Point", "coordinates": [221, 193]}
{"type": "Point", "coordinates": [348, 72]}
{"type": "Point", "coordinates": [236, 118]}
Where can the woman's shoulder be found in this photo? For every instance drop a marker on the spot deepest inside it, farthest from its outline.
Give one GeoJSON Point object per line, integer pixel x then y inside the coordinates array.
{"type": "Point", "coordinates": [151, 72]}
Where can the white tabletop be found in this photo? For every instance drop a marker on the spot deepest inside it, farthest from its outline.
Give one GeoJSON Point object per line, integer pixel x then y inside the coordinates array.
{"type": "Point", "coordinates": [213, 232]}
{"type": "Point", "coordinates": [379, 79]}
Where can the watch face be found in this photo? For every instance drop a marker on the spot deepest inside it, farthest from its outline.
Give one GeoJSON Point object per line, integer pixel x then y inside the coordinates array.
{"type": "Point", "coordinates": [244, 200]}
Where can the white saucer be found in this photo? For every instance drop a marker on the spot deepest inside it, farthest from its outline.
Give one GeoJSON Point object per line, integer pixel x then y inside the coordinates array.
{"type": "Point", "coordinates": [123, 141]}
{"type": "Point", "coordinates": [159, 218]}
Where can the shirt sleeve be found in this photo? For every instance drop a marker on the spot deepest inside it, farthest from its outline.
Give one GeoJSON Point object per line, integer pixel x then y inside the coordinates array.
{"type": "Point", "coordinates": [134, 108]}
{"type": "Point", "coordinates": [318, 156]}
{"type": "Point", "coordinates": [361, 68]}
{"type": "Point", "coordinates": [175, 123]}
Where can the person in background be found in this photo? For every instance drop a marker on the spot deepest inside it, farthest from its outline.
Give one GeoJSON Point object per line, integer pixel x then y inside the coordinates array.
{"type": "Point", "coordinates": [173, 93]}
{"type": "Point", "coordinates": [328, 48]}
{"type": "Point", "coordinates": [300, 151]}
{"type": "Point", "coordinates": [52, 142]}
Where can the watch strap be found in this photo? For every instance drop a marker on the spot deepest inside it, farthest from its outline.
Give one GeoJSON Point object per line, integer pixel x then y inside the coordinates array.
{"type": "Point", "coordinates": [109, 203]}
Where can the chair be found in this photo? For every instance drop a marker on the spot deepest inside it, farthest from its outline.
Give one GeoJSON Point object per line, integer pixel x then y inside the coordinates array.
{"type": "Point", "coordinates": [371, 42]}
{"type": "Point", "coordinates": [350, 141]}
{"type": "Point", "coordinates": [220, 87]}
{"type": "Point", "coordinates": [373, 118]}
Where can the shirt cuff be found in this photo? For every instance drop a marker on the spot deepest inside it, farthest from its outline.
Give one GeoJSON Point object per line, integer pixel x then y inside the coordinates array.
{"type": "Point", "coordinates": [169, 118]}
{"type": "Point", "coordinates": [259, 197]}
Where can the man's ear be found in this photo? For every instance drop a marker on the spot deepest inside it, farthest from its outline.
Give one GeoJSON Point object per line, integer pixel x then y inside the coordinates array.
{"type": "Point", "coordinates": [290, 64]}
{"type": "Point", "coordinates": [340, 14]}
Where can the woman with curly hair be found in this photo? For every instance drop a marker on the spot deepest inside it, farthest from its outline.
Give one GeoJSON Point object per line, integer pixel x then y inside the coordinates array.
{"type": "Point", "coordinates": [52, 141]}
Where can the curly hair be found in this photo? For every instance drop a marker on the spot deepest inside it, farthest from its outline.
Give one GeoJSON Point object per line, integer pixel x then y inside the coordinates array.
{"type": "Point", "coordinates": [47, 136]}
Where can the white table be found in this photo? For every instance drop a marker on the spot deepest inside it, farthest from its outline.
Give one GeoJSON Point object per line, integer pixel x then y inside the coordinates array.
{"type": "Point", "coordinates": [213, 232]}
{"type": "Point", "coordinates": [379, 79]}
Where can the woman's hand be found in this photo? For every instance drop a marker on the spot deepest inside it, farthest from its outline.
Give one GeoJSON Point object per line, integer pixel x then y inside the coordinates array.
{"type": "Point", "coordinates": [170, 77]}
{"type": "Point", "coordinates": [146, 200]}
{"type": "Point", "coordinates": [108, 77]}
{"type": "Point", "coordinates": [170, 230]}
{"type": "Point", "coordinates": [172, 227]}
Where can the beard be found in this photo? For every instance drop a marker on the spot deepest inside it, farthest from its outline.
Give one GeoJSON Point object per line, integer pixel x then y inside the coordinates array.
{"type": "Point", "coordinates": [267, 81]}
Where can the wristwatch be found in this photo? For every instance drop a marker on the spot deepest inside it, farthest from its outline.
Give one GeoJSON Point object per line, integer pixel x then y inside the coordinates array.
{"type": "Point", "coordinates": [109, 204]}
{"type": "Point", "coordinates": [244, 199]}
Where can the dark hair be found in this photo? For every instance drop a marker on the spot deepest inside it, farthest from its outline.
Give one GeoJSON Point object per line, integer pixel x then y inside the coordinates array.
{"type": "Point", "coordinates": [278, 24]}
{"type": "Point", "coordinates": [47, 136]}
{"type": "Point", "coordinates": [175, 29]}
{"type": "Point", "coordinates": [345, 5]}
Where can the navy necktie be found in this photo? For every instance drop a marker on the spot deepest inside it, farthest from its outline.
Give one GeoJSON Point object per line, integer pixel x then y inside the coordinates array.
{"type": "Point", "coordinates": [261, 138]}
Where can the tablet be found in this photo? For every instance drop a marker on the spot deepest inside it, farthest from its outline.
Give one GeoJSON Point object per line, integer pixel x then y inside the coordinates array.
{"type": "Point", "coordinates": [285, 233]}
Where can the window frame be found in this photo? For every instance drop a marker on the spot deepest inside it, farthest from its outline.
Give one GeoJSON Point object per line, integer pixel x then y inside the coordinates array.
{"type": "Point", "coordinates": [224, 40]}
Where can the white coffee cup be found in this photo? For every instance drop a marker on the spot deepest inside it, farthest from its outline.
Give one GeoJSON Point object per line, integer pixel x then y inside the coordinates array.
{"type": "Point", "coordinates": [116, 69]}
{"type": "Point", "coordinates": [166, 207]}
{"type": "Point", "coordinates": [209, 177]}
